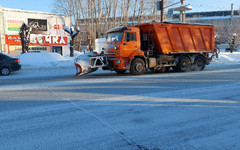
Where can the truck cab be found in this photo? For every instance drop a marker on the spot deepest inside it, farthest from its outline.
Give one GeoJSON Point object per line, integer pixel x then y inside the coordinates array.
{"type": "Point", "coordinates": [121, 47]}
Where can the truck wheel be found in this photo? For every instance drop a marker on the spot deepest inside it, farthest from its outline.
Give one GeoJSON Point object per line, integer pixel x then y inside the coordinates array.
{"type": "Point", "coordinates": [5, 71]}
{"type": "Point", "coordinates": [184, 64]}
{"type": "Point", "coordinates": [137, 66]}
{"type": "Point", "coordinates": [199, 63]}
{"type": "Point", "coordinates": [120, 71]}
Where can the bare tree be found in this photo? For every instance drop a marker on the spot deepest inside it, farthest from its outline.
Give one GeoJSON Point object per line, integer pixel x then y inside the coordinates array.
{"type": "Point", "coordinates": [97, 16]}
{"type": "Point", "coordinates": [134, 11]}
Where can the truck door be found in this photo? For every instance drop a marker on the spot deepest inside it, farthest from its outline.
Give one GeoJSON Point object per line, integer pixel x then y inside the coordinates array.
{"type": "Point", "coordinates": [129, 44]}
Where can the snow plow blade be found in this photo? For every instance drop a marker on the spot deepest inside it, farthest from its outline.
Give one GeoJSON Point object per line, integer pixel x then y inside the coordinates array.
{"type": "Point", "coordinates": [88, 62]}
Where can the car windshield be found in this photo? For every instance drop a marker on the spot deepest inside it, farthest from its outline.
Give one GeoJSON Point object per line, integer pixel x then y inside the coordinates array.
{"type": "Point", "coordinates": [114, 36]}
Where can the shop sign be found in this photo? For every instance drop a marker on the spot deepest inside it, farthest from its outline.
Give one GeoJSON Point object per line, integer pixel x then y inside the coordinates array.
{"type": "Point", "coordinates": [13, 40]}
{"type": "Point", "coordinates": [14, 25]}
{"type": "Point", "coordinates": [38, 49]}
{"type": "Point", "coordinates": [38, 24]}
{"type": "Point", "coordinates": [44, 40]}
{"type": "Point", "coordinates": [48, 40]}
{"type": "Point", "coordinates": [16, 50]}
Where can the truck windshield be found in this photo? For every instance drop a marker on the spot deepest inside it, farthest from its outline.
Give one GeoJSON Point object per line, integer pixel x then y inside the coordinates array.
{"type": "Point", "coordinates": [114, 36]}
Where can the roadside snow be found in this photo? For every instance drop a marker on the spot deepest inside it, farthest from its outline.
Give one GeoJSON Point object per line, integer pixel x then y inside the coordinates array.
{"type": "Point", "coordinates": [46, 60]}
{"type": "Point", "coordinates": [227, 58]}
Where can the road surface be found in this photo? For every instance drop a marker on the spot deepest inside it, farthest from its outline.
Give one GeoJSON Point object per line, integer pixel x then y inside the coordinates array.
{"type": "Point", "coordinates": [50, 109]}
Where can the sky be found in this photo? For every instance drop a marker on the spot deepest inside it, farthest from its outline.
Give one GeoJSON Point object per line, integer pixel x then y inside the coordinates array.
{"type": "Point", "coordinates": [47, 5]}
{"type": "Point", "coordinates": [33, 5]}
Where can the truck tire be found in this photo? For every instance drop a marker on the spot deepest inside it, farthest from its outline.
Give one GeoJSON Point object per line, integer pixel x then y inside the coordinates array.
{"type": "Point", "coordinates": [120, 71]}
{"type": "Point", "coordinates": [199, 63]}
{"type": "Point", "coordinates": [183, 65]}
{"type": "Point", "coordinates": [137, 66]}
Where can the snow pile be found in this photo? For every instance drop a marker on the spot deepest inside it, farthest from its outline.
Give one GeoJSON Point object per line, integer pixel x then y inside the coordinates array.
{"type": "Point", "coordinates": [46, 60]}
{"type": "Point", "coordinates": [227, 58]}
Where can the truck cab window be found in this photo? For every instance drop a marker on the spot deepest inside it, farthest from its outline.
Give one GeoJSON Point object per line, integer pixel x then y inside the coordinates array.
{"type": "Point", "coordinates": [130, 36]}
{"type": "Point", "coordinates": [114, 37]}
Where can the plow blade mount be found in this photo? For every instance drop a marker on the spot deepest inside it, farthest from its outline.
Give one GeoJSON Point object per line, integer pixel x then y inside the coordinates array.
{"type": "Point", "coordinates": [88, 62]}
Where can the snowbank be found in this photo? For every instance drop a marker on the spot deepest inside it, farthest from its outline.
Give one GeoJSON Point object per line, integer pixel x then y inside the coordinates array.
{"type": "Point", "coordinates": [46, 60]}
{"type": "Point", "coordinates": [227, 58]}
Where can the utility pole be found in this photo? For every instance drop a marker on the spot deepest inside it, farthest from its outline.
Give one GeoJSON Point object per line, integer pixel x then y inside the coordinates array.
{"type": "Point", "coordinates": [232, 13]}
{"type": "Point", "coordinates": [162, 11]}
{"type": "Point", "coordinates": [160, 7]}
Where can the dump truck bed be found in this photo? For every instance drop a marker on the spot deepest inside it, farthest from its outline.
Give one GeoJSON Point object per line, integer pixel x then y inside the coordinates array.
{"type": "Point", "coordinates": [173, 38]}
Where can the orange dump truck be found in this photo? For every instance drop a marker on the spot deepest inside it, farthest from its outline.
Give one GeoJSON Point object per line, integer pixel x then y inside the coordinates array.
{"type": "Point", "coordinates": [155, 46]}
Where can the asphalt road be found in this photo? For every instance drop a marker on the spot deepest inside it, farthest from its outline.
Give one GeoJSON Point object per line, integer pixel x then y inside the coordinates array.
{"type": "Point", "coordinates": [104, 110]}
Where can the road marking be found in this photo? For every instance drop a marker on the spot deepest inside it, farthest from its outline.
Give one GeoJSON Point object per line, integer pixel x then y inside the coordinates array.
{"type": "Point", "coordinates": [161, 105]}
{"type": "Point", "coordinates": [128, 140]}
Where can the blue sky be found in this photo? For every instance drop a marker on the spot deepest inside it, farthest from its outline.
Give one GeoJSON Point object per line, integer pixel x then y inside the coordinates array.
{"type": "Point", "coordinates": [46, 5]}
{"type": "Point", "coordinates": [34, 5]}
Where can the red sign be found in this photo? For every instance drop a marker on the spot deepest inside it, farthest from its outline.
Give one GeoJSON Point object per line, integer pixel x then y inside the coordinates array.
{"type": "Point", "coordinates": [43, 40]}
{"type": "Point", "coordinates": [13, 39]}
{"type": "Point", "coordinates": [57, 26]}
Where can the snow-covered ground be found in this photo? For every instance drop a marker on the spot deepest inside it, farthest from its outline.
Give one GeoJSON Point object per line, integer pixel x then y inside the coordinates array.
{"type": "Point", "coordinates": [227, 58]}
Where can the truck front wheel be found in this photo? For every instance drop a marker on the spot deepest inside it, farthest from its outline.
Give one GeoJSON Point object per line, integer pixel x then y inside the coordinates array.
{"type": "Point", "coordinates": [137, 66]}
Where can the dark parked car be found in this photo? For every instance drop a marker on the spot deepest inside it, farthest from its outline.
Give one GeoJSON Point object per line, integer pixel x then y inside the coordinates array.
{"type": "Point", "coordinates": [8, 64]}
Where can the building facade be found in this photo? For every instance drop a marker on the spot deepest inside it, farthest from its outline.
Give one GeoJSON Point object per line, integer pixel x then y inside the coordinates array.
{"type": "Point", "coordinates": [48, 33]}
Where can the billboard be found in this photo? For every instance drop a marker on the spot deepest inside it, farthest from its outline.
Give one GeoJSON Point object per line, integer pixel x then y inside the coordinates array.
{"type": "Point", "coordinates": [38, 24]}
